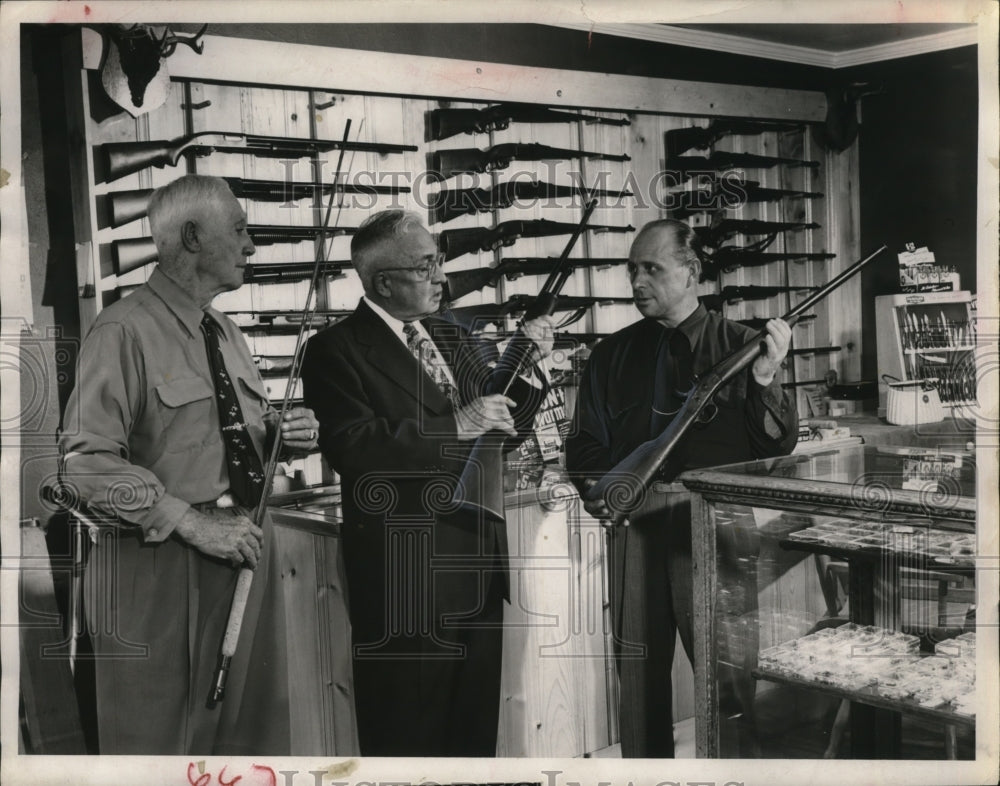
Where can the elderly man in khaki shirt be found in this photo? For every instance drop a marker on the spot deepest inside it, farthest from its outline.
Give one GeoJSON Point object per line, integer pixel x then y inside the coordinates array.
{"type": "Point", "coordinates": [146, 442]}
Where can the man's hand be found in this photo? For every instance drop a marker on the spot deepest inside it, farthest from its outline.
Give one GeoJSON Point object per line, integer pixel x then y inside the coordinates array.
{"type": "Point", "coordinates": [597, 507]}
{"type": "Point", "coordinates": [779, 335]}
{"type": "Point", "coordinates": [486, 413]}
{"type": "Point", "coordinates": [226, 535]}
{"type": "Point", "coordinates": [300, 429]}
{"type": "Point", "coordinates": [541, 330]}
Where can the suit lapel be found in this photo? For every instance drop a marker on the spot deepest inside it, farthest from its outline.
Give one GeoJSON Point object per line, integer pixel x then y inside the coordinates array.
{"type": "Point", "coordinates": [386, 353]}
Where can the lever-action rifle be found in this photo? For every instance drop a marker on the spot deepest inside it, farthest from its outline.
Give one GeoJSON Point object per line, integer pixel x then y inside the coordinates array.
{"type": "Point", "coordinates": [445, 123]}
{"type": "Point", "coordinates": [689, 166]}
{"type": "Point", "coordinates": [124, 158]}
{"type": "Point", "coordinates": [462, 282]}
{"type": "Point", "coordinates": [448, 163]}
{"type": "Point", "coordinates": [447, 204]}
{"type": "Point", "coordinates": [734, 294]}
{"type": "Point", "coordinates": [455, 242]}
{"type": "Point", "coordinates": [680, 140]}
{"type": "Point", "coordinates": [729, 258]}
{"type": "Point", "coordinates": [127, 206]}
{"type": "Point", "coordinates": [622, 489]}
{"type": "Point", "coordinates": [475, 318]}
{"type": "Point", "coordinates": [725, 228]}
{"type": "Point", "coordinates": [134, 252]}
{"type": "Point", "coordinates": [477, 490]}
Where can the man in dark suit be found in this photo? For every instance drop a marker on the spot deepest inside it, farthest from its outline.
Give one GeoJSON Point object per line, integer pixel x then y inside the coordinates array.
{"type": "Point", "coordinates": [629, 394]}
{"type": "Point", "coordinates": [397, 392]}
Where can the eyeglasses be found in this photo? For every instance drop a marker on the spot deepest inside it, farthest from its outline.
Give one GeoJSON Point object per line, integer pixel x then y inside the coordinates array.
{"type": "Point", "coordinates": [422, 272]}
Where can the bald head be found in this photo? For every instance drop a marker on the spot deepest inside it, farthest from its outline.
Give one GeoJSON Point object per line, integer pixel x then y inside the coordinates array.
{"type": "Point", "coordinates": [663, 269]}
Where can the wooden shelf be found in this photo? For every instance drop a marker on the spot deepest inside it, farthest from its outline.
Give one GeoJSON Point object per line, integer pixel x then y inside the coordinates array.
{"type": "Point", "coordinates": [868, 695]}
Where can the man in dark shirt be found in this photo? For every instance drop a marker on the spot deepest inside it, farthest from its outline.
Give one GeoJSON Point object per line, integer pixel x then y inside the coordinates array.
{"type": "Point", "coordinates": [629, 394]}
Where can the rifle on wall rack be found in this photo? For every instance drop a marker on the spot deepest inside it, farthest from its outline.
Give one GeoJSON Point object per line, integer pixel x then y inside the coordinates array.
{"type": "Point", "coordinates": [462, 282]}
{"type": "Point", "coordinates": [448, 204]}
{"type": "Point", "coordinates": [725, 228]}
{"type": "Point", "coordinates": [127, 206]}
{"type": "Point", "coordinates": [680, 140]}
{"type": "Point", "coordinates": [134, 252]}
{"type": "Point", "coordinates": [728, 258]}
{"type": "Point", "coordinates": [125, 158]}
{"type": "Point", "coordinates": [448, 163]}
{"type": "Point", "coordinates": [449, 121]}
{"type": "Point", "coordinates": [735, 294]}
{"type": "Point", "coordinates": [456, 242]}
{"type": "Point", "coordinates": [727, 195]}
{"type": "Point", "coordinates": [623, 488]}
{"type": "Point", "coordinates": [475, 318]}
{"type": "Point", "coordinates": [687, 167]}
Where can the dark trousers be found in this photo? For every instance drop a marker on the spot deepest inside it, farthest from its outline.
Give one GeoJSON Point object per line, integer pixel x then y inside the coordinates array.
{"type": "Point", "coordinates": [427, 670]}
{"type": "Point", "coordinates": [652, 601]}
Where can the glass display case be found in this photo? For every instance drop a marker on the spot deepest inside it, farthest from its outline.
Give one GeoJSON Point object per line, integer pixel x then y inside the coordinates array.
{"type": "Point", "coordinates": [835, 605]}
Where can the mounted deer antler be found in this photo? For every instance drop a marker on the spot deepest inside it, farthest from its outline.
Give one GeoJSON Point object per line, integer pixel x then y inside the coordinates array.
{"type": "Point", "coordinates": [134, 55]}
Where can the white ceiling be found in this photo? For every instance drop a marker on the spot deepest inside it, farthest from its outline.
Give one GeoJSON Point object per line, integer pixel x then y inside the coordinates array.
{"type": "Point", "coordinates": [827, 45]}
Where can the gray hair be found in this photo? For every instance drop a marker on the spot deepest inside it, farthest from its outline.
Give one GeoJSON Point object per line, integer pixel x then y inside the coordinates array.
{"type": "Point", "coordinates": [373, 232]}
{"type": "Point", "coordinates": [684, 237]}
{"type": "Point", "coordinates": [178, 201]}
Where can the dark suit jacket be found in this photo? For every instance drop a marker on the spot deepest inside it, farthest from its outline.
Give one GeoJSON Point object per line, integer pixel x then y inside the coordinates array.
{"type": "Point", "coordinates": [390, 433]}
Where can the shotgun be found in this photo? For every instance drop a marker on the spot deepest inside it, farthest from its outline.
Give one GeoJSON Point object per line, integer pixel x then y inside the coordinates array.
{"type": "Point", "coordinates": [456, 242]}
{"type": "Point", "coordinates": [462, 282]}
{"type": "Point", "coordinates": [134, 252]}
{"type": "Point", "coordinates": [282, 272]}
{"type": "Point", "coordinates": [727, 195]}
{"type": "Point", "coordinates": [448, 163]}
{"type": "Point", "coordinates": [127, 206]}
{"type": "Point", "coordinates": [622, 489]}
{"type": "Point", "coordinates": [124, 158]}
{"type": "Point", "coordinates": [448, 122]}
{"type": "Point", "coordinates": [448, 204]}
{"type": "Point", "coordinates": [758, 323]}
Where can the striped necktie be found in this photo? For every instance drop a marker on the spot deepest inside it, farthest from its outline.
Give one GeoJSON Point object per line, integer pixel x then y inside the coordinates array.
{"type": "Point", "coordinates": [423, 349]}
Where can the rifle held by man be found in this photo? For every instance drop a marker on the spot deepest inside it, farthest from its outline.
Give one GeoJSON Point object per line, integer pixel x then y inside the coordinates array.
{"type": "Point", "coordinates": [456, 242]}
{"type": "Point", "coordinates": [130, 205]}
{"type": "Point", "coordinates": [448, 163]}
{"type": "Point", "coordinates": [124, 158]}
{"type": "Point", "coordinates": [448, 122]}
{"type": "Point", "coordinates": [134, 252]}
{"type": "Point", "coordinates": [622, 488]}
{"type": "Point", "coordinates": [448, 204]}
{"type": "Point", "coordinates": [680, 140]}
{"type": "Point", "coordinates": [728, 258]}
{"type": "Point", "coordinates": [462, 282]}
{"type": "Point", "coordinates": [689, 166]}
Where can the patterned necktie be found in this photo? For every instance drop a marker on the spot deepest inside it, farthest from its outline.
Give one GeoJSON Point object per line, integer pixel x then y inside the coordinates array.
{"type": "Point", "coordinates": [425, 351]}
{"type": "Point", "coordinates": [246, 474]}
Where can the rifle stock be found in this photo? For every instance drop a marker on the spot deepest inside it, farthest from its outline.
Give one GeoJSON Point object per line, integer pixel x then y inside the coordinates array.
{"type": "Point", "coordinates": [622, 489]}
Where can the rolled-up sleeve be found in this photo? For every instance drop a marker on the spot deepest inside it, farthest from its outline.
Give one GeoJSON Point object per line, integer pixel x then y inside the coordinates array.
{"type": "Point", "coordinates": [96, 466]}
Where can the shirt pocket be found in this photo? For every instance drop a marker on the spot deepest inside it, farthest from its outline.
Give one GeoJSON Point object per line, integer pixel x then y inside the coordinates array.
{"type": "Point", "coordinates": [185, 406]}
{"type": "Point", "coordinates": [255, 405]}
